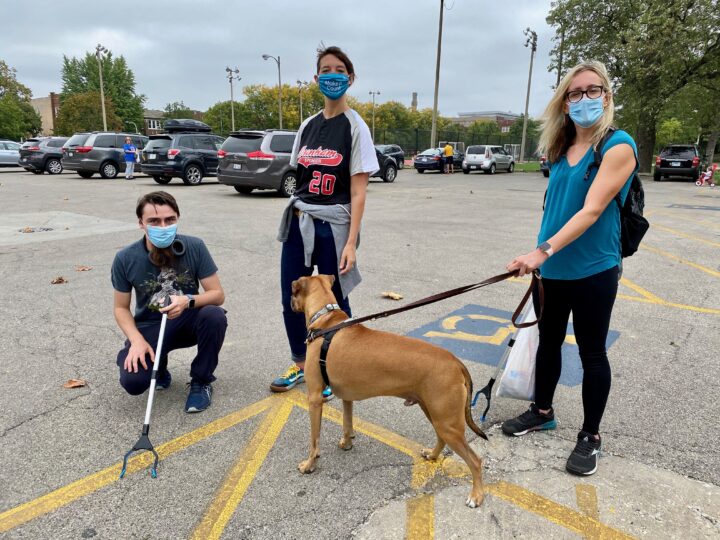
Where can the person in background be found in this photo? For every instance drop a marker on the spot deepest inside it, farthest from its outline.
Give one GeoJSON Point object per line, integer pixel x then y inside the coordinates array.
{"type": "Point", "coordinates": [131, 153]}
{"type": "Point", "coordinates": [448, 151]}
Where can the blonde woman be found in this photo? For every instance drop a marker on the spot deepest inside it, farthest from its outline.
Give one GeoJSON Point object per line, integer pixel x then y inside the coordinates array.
{"type": "Point", "coordinates": [578, 251]}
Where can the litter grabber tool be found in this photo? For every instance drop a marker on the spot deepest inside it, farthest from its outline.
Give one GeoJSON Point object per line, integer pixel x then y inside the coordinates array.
{"type": "Point", "coordinates": [143, 442]}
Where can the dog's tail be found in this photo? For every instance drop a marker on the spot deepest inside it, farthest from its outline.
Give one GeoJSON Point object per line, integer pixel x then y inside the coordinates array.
{"type": "Point", "coordinates": [468, 413]}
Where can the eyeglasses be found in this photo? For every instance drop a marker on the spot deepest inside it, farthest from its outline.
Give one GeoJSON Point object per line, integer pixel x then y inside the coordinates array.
{"type": "Point", "coordinates": [593, 92]}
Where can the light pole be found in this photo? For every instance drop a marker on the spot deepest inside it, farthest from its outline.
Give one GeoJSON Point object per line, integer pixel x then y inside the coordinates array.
{"type": "Point", "coordinates": [100, 53]}
{"type": "Point", "coordinates": [277, 61]}
{"type": "Point", "coordinates": [232, 75]}
{"type": "Point", "coordinates": [134, 125]}
{"type": "Point", "coordinates": [373, 93]}
{"type": "Point", "coordinates": [532, 43]}
{"type": "Point", "coordinates": [433, 132]}
{"type": "Point", "coordinates": [301, 85]}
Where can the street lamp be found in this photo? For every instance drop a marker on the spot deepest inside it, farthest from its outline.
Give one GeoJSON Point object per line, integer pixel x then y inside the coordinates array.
{"type": "Point", "coordinates": [433, 132]}
{"type": "Point", "coordinates": [532, 43]}
{"type": "Point", "coordinates": [277, 61]}
{"type": "Point", "coordinates": [232, 75]}
{"type": "Point", "coordinates": [373, 93]}
{"type": "Point", "coordinates": [301, 85]}
{"type": "Point", "coordinates": [100, 53]}
{"type": "Point", "coordinates": [134, 125]}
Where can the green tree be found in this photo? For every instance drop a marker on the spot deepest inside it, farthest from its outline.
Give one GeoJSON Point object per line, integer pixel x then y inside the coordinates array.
{"type": "Point", "coordinates": [80, 76]}
{"type": "Point", "coordinates": [18, 119]}
{"type": "Point", "coordinates": [80, 112]}
{"type": "Point", "coordinates": [219, 117]}
{"type": "Point", "coordinates": [177, 109]}
{"type": "Point", "coordinates": [652, 49]}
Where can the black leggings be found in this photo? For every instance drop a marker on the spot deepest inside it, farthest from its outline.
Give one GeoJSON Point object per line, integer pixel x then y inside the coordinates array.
{"type": "Point", "coordinates": [591, 302]}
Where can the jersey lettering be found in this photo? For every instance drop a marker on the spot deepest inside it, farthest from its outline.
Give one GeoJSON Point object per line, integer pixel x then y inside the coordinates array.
{"type": "Point", "coordinates": [322, 183]}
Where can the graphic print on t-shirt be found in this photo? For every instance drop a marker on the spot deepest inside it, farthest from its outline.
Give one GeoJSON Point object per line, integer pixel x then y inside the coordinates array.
{"type": "Point", "coordinates": [168, 282]}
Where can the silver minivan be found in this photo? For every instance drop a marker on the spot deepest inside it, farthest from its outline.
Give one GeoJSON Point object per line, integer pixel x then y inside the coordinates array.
{"type": "Point", "coordinates": [487, 158]}
{"type": "Point", "coordinates": [258, 160]}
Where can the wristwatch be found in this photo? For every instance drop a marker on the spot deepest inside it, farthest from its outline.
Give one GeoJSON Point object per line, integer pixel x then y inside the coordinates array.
{"type": "Point", "coordinates": [546, 248]}
{"type": "Point", "coordinates": [191, 301]}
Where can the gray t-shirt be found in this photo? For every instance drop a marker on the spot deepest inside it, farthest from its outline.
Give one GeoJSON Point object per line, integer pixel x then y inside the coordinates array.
{"type": "Point", "coordinates": [132, 269]}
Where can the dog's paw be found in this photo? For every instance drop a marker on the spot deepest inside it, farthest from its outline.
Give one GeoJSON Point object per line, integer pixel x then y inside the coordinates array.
{"type": "Point", "coordinates": [346, 443]}
{"type": "Point", "coordinates": [307, 466]}
{"type": "Point", "coordinates": [427, 453]}
{"type": "Point", "coordinates": [474, 502]}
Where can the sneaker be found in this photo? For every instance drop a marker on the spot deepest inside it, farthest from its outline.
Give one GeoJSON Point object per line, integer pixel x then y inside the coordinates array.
{"type": "Point", "coordinates": [199, 398]}
{"type": "Point", "coordinates": [328, 394]}
{"type": "Point", "coordinates": [530, 420]}
{"type": "Point", "coordinates": [163, 381]}
{"type": "Point", "coordinates": [291, 378]}
{"type": "Point", "coordinates": [584, 459]}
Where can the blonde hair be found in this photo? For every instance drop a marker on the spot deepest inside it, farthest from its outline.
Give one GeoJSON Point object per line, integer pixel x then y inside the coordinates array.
{"type": "Point", "coordinates": [558, 131]}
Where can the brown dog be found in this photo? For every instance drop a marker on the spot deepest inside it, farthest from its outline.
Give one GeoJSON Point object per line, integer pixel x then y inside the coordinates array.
{"type": "Point", "coordinates": [364, 363]}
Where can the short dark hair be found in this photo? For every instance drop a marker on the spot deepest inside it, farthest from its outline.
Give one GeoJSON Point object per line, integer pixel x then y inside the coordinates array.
{"type": "Point", "coordinates": [335, 51]}
{"type": "Point", "coordinates": [156, 198]}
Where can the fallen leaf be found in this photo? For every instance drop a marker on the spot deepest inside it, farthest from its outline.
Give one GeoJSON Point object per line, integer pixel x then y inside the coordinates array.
{"type": "Point", "coordinates": [75, 383]}
{"type": "Point", "coordinates": [28, 229]}
{"type": "Point", "coordinates": [83, 268]}
{"type": "Point", "coordinates": [58, 280]}
{"type": "Point", "coordinates": [65, 199]}
{"type": "Point", "coordinates": [393, 295]}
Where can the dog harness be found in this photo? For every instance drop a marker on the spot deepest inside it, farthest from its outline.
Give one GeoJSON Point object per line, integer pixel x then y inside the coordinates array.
{"type": "Point", "coordinates": [327, 338]}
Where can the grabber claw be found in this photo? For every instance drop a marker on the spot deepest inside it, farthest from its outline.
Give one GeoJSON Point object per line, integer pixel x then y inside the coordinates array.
{"type": "Point", "coordinates": [487, 392]}
{"type": "Point", "coordinates": [142, 444]}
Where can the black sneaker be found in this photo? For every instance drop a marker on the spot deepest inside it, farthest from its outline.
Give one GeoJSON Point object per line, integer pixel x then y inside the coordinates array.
{"type": "Point", "coordinates": [530, 420]}
{"type": "Point", "coordinates": [163, 381]}
{"type": "Point", "coordinates": [584, 459]}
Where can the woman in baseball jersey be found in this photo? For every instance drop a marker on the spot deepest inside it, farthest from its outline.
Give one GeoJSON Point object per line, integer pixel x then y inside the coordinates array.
{"type": "Point", "coordinates": [335, 156]}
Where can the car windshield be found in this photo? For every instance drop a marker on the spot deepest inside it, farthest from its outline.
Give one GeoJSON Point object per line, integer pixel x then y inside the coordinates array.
{"type": "Point", "coordinates": [30, 142]}
{"type": "Point", "coordinates": [476, 150]}
{"type": "Point", "coordinates": [77, 140]}
{"type": "Point", "coordinates": [159, 143]}
{"type": "Point", "coordinates": [430, 152]}
{"type": "Point", "coordinates": [685, 152]}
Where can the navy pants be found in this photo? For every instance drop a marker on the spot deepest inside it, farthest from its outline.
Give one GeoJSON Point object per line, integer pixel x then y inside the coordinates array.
{"type": "Point", "coordinates": [292, 267]}
{"type": "Point", "coordinates": [591, 301]}
{"type": "Point", "coordinates": [204, 327]}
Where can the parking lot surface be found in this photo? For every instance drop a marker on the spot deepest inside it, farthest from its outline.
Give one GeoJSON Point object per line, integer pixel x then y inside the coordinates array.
{"type": "Point", "coordinates": [231, 471]}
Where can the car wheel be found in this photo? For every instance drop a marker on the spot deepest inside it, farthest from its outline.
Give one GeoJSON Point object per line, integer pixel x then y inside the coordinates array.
{"type": "Point", "coordinates": [192, 175]}
{"type": "Point", "coordinates": [491, 170]}
{"type": "Point", "coordinates": [289, 183]}
{"type": "Point", "coordinates": [466, 171]}
{"type": "Point", "coordinates": [162, 179]}
{"type": "Point", "coordinates": [108, 170]}
{"type": "Point", "coordinates": [390, 173]}
{"type": "Point", "coordinates": [36, 171]}
{"type": "Point", "coordinates": [85, 174]}
{"type": "Point", "coordinates": [421, 171]}
{"type": "Point", "coordinates": [546, 174]}
{"type": "Point", "coordinates": [243, 189]}
{"type": "Point", "coordinates": [53, 166]}
{"type": "Point", "coordinates": [656, 177]}
{"type": "Point", "coordinates": [511, 168]}
{"type": "Point", "coordinates": [401, 163]}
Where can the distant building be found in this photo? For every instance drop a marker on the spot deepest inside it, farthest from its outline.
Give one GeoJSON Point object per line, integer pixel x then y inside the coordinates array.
{"type": "Point", "coordinates": [503, 119]}
{"type": "Point", "coordinates": [47, 108]}
{"type": "Point", "coordinates": [413, 103]}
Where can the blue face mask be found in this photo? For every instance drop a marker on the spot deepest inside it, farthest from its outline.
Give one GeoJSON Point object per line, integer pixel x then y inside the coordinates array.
{"type": "Point", "coordinates": [333, 85]}
{"type": "Point", "coordinates": [161, 237]}
{"type": "Point", "coordinates": [586, 112]}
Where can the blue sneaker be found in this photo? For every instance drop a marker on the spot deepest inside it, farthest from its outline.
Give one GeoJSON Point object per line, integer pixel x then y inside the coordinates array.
{"type": "Point", "coordinates": [199, 398]}
{"type": "Point", "coordinates": [291, 378]}
{"type": "Point", "coordinates": [328, 394]}
{"type": "Point", "coordinates": [163, 381]}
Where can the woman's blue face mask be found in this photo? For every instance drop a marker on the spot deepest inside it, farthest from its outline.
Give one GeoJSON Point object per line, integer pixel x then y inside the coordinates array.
{"type": "Point", "coordinates": [586, 112]}
{"type": "Point", "coordinates": [333, 85]}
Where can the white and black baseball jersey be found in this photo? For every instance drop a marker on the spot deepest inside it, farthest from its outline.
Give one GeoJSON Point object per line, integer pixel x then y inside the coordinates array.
{"type": "Point", "coordinates": [327, 153]}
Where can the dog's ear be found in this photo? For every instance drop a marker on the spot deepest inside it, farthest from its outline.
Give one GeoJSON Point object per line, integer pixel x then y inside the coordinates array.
{"type": "Point", "coordinates": [297, 285]}
{"type": "Point", "coordinates": [330, 280]}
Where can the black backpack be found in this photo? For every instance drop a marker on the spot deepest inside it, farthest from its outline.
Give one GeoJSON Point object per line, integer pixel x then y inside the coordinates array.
{"type": "Point", "coordinates": [633, 225]}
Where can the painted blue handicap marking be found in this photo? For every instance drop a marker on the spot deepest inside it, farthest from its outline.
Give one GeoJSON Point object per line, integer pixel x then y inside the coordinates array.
{"type": "Point", "coordinates": [481, 334]}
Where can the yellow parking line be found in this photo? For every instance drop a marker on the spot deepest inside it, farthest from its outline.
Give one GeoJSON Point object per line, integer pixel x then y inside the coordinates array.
{"type": "Point", "coordinates": [681, 260]}
{"type": "Point", "coordinates": [650, 298]}
{"type": "Point", "coordinates": [682, 218]}
{"type": "Point", "coordinates": [74, 491]}
{"type": "Point", "coordinates": [587, 500]}
{"type": "Point", "coordinates": [684, 235]}
{"type": "Point", "coordinates": [228, 497]}
{"type": "Point", "coordinates": [420, 521]}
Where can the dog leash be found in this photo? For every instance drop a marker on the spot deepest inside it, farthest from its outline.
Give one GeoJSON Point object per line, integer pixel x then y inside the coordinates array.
{"type": "Point", "coordinates": [536, 281]}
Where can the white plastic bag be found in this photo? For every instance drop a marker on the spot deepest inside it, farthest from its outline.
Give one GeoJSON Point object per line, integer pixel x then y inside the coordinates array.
{"type": "Point", "coordinates": [518, 378]}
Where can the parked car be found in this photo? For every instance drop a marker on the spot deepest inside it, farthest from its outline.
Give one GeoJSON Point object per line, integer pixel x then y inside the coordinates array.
{"type": "Point", "coordinates": [187, 150]}
{"type": "Point", "coordinates": [41, 154]}
{"type": "Point", "coordinates": [545, 166]}
{"type": "Point", "coordinates": [430, 160]}
{"type": "Point", "coordinates": [98, 152]}
{"type": "Point", "coordinates": [9, 153]}
{"type": "Point", "coordinates": [388, 166]}
{"type": "Point", "coordinates": [487, 158]}
{"type": "Point", "coordinates": [394, 151]}
{"type": "Point", "coordinates": [677, 160]}
{"type": "Point", "coordinates": [258, 160]}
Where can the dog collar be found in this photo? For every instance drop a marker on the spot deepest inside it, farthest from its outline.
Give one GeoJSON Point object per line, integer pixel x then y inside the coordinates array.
{"type": "Point", "coordinates": [327, 309]}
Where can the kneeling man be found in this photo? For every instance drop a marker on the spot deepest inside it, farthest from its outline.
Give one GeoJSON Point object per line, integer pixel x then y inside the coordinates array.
{"type": "Point", "coordinates": [164, 264]}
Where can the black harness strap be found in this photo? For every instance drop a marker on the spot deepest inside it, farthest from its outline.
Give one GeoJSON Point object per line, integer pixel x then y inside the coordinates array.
{"type": "Point", "coordinates": [327, 338]}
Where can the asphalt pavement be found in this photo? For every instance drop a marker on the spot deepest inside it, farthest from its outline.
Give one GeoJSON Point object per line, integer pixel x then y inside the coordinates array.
{"type": "Point", "coordinates": [231, 471]}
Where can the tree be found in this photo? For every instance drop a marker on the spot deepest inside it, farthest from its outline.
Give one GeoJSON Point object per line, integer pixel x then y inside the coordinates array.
{"type": "Point", "coordinates": [80, 76]}
{"type": "Point", "coordinates": [178, 109]}
{"type": "Point", "coordinates": [652, 49]}
{"type": "Point", "coordinates": [18, 119]}
{"type": "Point", "coordinates": [80, 112]}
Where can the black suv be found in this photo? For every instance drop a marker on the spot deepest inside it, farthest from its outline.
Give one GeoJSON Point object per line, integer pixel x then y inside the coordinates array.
{"type": "Point", "coordinates": [187, 150]}
{"type": "Point", "coordinates": [677, 160]}
{"type": "Point", "coordinates": [41, 154]}
{"type": "Point", "coordinates": [388, 166]}
{"type": "Point", "coordinates": [394, 151]}
{"type": "Point", "coordinates": [98, 152]}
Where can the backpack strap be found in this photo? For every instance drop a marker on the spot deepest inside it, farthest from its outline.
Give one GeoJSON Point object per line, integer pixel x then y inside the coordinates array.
{"type": "Point", "coordinates": [597, 160]}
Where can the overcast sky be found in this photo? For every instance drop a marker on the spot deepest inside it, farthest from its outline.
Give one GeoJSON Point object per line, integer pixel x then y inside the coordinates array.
{"type": "Point", "coordinates": [178, 49]}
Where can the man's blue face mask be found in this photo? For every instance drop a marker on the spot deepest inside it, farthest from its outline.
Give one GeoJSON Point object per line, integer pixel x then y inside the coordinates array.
{"type": "Point", "coordinates": [161, 237]}
{"type": "Point", "coordinates": [586, 112]}
{"type": "Point", "coordinates": [333, 85]}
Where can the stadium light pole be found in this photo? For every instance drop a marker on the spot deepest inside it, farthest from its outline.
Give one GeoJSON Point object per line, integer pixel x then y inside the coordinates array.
{"type": "Point", "coordinates": [277, 61]}
{"type": "Point", "coordinates": [301, 85]}
{"type": "Point", "coordinates": [232, 75]}
{"type": "Point", "coordinates": [532, 43]}
{"type": "Point", "coordinates": [100, 53]}
{"type": "Point", "coordinates": [433, 132]}
{"type": "Point", "coordinates": [373, 93]}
